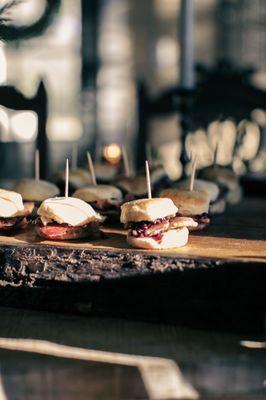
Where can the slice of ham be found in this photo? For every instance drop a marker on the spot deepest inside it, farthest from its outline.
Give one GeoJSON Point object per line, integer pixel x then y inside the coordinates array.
{"type": "Point", "coordinates": [7, 224]}
{"type": "Point", "coordinates": [182, 221]}
{"type": "Point", "coordinates": [19, 222]}
{"type": "Point", "coordinates": [67, 232]}
{"type": "Point", "coordinates": [202, 221]}
{"type": "Point", "coordinates": [199, 227]}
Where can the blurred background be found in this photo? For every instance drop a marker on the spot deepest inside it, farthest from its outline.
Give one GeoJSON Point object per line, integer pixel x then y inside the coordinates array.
{"type": "Point", "coordinates": [102, 73]}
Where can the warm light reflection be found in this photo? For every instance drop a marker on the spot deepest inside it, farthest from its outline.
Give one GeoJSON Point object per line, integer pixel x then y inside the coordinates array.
{"type": "Point", "coordinates": [25, 12]}
{"type": "Point", "coordinates": [212, 130]}
{"type": "Point", "coordinates": [259, 163]}
{"type": "Point", "coordinates": [24, 126]}
{"type": "Point", "coordinates": [251, 344]}
{"type": "Point", "coordinates": [3, 65]}
{"type": "Point", "coordinates": [115, 84]}
{"type": "Point", "coordinates": [238, 166]}
{"type": "Point", "coordinates": [64, 128]}
{"type": "Point", "coordinates": [53, 57]}
{"type": "Point", "coordinates": [114, 109]}
{"type": "Point", "coordinates": [4, 124]}
{"type": "Point", "coordinates": [223, 134]}
{"type": "Point", "coordinates": [115, 45]}
{"type": "Point", "coordinates": [67, 30]}
{"type": "Point", "coordinates": [112, 153]}
{"type": "Point", "coordinates": [259, 116]}
{"type": "Point", "coordinates": [251, 141]}
{"type": "Point", "coordinates": [169, 155]}
{"type": "Point", "coordinates": [197, 143]}
{"type": "Point", "coordinates": [225, 151]}
{"type": "Point", "coordinates": [167, 9]}
{"type": "Point", "coordinates": [166, 51]}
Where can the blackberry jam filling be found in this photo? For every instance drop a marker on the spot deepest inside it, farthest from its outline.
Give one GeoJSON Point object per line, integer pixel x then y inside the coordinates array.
{"type": "Point", "coordinates": [142, 228]}
{"type": "Point", "coordinates": [161, 225]}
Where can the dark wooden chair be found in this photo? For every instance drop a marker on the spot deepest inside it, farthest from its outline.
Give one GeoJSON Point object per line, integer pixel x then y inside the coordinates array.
{"type": "Point", "coordinates": [222, 92]}
{"type": "Point", "coordinates": [10, 97]}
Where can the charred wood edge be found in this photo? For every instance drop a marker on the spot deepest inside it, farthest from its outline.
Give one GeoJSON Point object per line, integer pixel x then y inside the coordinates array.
{"type": "Point", "coordinates": [33, 265]}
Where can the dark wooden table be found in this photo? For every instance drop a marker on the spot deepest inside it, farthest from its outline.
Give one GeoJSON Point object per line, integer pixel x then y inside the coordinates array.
{"type": "Point", "coordinates": [217, 281]}
{"type": "Point", "coordinates": [204, 364]}
{"type": "Point", "coordinates": [215, 285]}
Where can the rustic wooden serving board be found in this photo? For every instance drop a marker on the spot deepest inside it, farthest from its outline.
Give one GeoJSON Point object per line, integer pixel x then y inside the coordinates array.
{"type": "Point", "coordinates": [224, 265]}
{"type": "Point", "coordinates": [239, 235]}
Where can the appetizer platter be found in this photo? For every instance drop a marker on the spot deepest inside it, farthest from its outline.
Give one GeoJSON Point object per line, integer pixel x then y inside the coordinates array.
{"type": "Point", "coordinates": [175, 257]}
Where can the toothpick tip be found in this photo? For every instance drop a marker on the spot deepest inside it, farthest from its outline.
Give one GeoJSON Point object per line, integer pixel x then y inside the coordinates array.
{"type": "Point", "coordinates": [148, 179]}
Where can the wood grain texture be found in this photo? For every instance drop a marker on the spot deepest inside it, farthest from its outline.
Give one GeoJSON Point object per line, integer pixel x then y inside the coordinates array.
{"type": "Point", "coordinates": [215, 364]}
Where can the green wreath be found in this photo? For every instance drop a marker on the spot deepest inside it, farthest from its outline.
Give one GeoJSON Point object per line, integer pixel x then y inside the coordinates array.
{"type": "Point", "coordinates": [10, 32]}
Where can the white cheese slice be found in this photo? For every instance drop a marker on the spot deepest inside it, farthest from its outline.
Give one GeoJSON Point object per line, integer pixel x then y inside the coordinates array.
{"type": "Point", "coordinates": [11, 204]}
{"type": "Point", "coordinates": [67, 210]}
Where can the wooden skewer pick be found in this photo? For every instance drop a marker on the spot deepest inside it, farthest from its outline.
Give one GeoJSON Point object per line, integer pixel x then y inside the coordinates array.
{"type": "Point", "coordinates": [148, 150]}
{"type": "Point", "coordinates": [74, 157]}
{"type": "Point", "coordinates": [91, 168]}
{"type": "Point", "coordinates": [148, 179]}
{"type": "Point", "coordinates": [191, 155]}
{"type": "Point", "coordinates": [99, 153]}
{"type": "Point", "coordinates": [215, 152]}
{"type": "Point", "coordinates": [67, 178]}
{"type": "Point", "coordinates": [219, 136]}
{"type": "Point", "coordinates": [125, 161]}
{"type": "Point", "coordinates": [37, 165]}
{"type": "Point", "coordinates": [193, 172]}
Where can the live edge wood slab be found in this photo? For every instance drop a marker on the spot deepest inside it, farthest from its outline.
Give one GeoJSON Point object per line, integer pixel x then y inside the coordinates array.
{"type": "Point", "coordinates": [217, 280]}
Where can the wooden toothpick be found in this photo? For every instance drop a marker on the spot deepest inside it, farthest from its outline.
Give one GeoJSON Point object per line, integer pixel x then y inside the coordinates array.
{"type": "Point", "coordinates": [148, 179]}
{"type": "Point", "coordinates": [91, 168]}
{"type": "Point", "coordinates": [215, 152]}
{"type": "Point", "coordinates": [37, 165]}
{"type": "Point", "coordinates": [125, 161]}
{"type": "Point", "coordinates": [219, 135]}
{"type": "Point", "coordinates": [74, 157]}
{"type": "Point", "coordinates": [193, 172]}
{"type": "Point", "coordinates": [148, 150]}
{"type": "Point", "coordinates": [67, 178]}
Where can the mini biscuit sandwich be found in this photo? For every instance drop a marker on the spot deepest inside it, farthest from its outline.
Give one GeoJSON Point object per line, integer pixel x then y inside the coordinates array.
{"type": "Point", "coordinates": [105, 172]}
{"type": "Point", "coordinates": [105, 199]}
{"type": "Point", "coordinates": [159, 177]}
{"type": "Point", "coordinates": [13, 213]}
{"type": "Point", "coordinates": [217, 202]}
{"type": "Point", "coordinates": [227, 181]}
{"type": "Point", "coordinates": [132, 187]}
{"type": "Point", "coordinates": [152, 224]}
{"type": "Point", "coordinates": [36, 191]}
{"type": "Point", "coordinates": [64, 218]}
{"type": "Point", "coordinates": [78, 178]}
{"type": "Point", "coordinates": [192, 205]}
